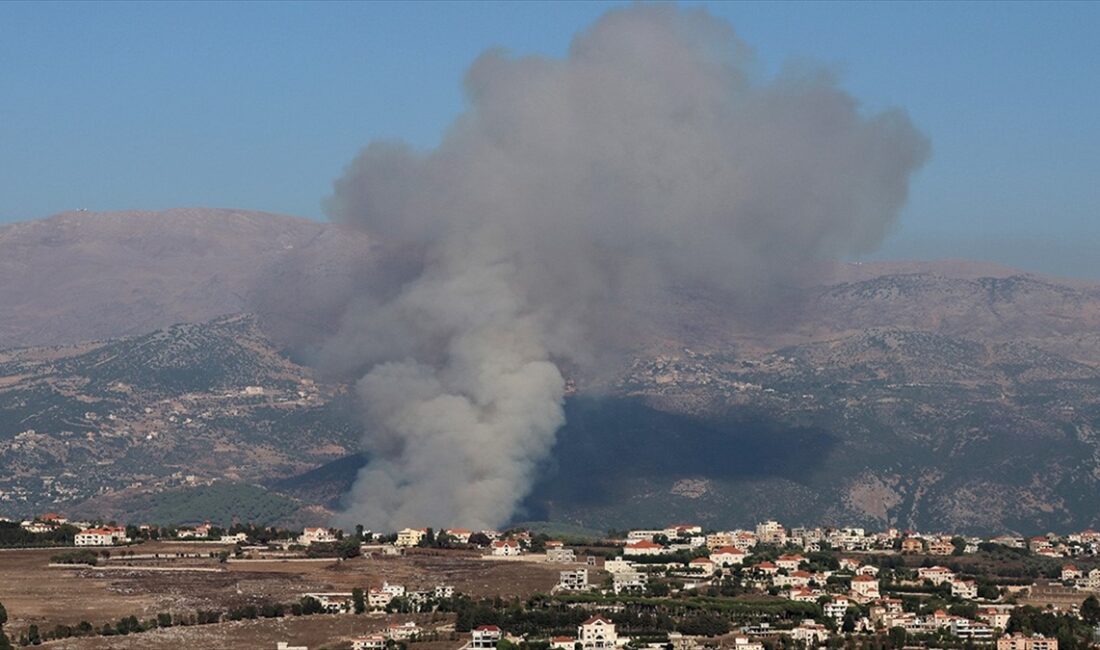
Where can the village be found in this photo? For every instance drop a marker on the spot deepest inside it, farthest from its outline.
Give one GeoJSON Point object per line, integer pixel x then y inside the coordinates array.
{"type": "Point", "coordinates": [681, 587]}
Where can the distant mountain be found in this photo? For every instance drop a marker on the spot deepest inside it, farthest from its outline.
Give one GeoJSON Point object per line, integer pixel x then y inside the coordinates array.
{"type": "Point", "coordinates": [82, 276]}
{"type": "Point", "coordinates": [929, 394]}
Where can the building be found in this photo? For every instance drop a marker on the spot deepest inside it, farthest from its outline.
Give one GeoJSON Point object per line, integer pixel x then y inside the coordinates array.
{"type": "Point", "coordinates": [373, 642]}
{"type": "Point", "coordinates": [407, 537]}
{"type": "Point", "coordinates": [105, 536]}
{"type": "Point", "coordinates": [316, 536]}
{"type": "Point", "coordinates": [506, 548]}
{"type": "Point", "coordinates": [460, 535]}
{"type": "Point", "coordinates": [1021, 642]}
{"type": "Point", "coordinates": [702, 565]}
{"type": "Point", "coordinates": [643, 547]}
{"type": "Point", "coordinates": [628, 581]}
{"type": "Point", "coordinates": [965, 628]}
{"type": "Point", "coordinates": [837, 608]}
{"type": "Point", "coordinates": [810, 633]}
{"type": "Point", "coordinates": [614, 565]}
{"type": "Point", "coordinates": [283, 645]}
{"type": "Point", "coordinates": [598, 632]}
{"type": "Point", "coordinates": [403, 631]}
{"type": "Point", "coordinates": [444, 591]}
{"type": "Point", "coordinates": [378, 599]}
{"type": "Point", "coordinates": [333, 603]}
{"type": "Point", "coordinates": [995, 618]}
{"type": "Point", "coordinates": [941, 546]}
{"type": "Point", "coordinates": [560, 555]}
{"type": "Point", "coordinates": [485, 637]}
{"type": "Point", "coordinates": [865, 588]}
{"type": "Point", "coordinates": [789, 562]}
{"type": "Point", "coordinates": [574, 580]}
{"type": "Point", "coordinates": [728, 556]}
{"type": "Point", "coordinates": [937, 575]}
{"type": "Point", "coordinates": [967, 589]}
{"type": "Point", "coordinates": [1071, 573]}
{"type": "Point", "coordinates": [771, 532]}
{"type": "Point", "coordinates": [912, 545]}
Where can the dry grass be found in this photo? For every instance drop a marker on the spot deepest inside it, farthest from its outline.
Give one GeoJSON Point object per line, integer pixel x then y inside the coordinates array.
{"type": "Point", "coordinates": [34, 593]}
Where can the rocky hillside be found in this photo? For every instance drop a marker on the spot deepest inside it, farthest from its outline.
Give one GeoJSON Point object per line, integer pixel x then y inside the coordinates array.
{"type": "Point", "coordinates": [937, 395]}
{"type": "Point", "coordinates": [146, 414]}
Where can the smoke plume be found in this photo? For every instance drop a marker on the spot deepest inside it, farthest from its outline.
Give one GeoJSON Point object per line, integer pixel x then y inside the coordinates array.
{"type": "Point", "coordinates": [651, 156]}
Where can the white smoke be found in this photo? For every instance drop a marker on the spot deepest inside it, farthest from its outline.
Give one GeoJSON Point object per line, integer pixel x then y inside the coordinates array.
{"type": "Point", "coordinates": [651, 156]}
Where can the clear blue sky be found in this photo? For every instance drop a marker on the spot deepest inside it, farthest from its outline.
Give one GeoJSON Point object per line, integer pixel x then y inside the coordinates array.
{"type": "Point", "coordinates": [252, 105]}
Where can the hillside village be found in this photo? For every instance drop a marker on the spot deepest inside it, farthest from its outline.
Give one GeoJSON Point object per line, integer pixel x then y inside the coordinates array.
{"type": "Point", "coordinates": [680, 587]}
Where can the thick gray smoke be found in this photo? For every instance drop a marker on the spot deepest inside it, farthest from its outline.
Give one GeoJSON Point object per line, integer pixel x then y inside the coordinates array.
{"type": "Point", "coordinates": [651, 156]}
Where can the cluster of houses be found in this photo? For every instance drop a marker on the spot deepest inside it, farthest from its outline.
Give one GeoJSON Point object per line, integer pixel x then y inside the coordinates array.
{"type": "Point", "coordinates": [379, 598]}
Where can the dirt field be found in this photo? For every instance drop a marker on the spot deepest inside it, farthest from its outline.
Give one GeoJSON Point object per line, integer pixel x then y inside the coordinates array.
{"type": "Point", "coordinates": [328, 631]}
{"type": "Point", "coordinates": [35, 593]}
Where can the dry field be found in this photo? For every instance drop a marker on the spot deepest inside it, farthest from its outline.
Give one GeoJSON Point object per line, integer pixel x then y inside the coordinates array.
{"type": "Point", "coordinates": [35, 593]}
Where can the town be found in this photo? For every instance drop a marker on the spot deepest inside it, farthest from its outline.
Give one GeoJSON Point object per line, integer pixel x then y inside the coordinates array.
{"type": "Point", "coordinates": [679, 587]}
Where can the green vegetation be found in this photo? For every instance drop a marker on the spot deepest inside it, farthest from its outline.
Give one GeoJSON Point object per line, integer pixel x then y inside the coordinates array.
{"type": "Point", "coordinates": [13, 535]}
{"type": "Point", "coordinates": [221, 503]}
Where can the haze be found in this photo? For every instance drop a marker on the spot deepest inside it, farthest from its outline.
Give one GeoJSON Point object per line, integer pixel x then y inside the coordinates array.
{"type": "Point", "coordinates": [261, 106]}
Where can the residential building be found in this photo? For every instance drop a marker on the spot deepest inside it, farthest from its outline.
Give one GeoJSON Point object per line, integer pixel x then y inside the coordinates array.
{"type": "Point", "coordinates": [373, 642]}
{"type": "Point", "coordinates": [485, 637]}
{"type": "Point", "coordinates": [728, 556]}
{"type": "Point", "coordinates": [573, 580]}
{"type": "Point", "coordinates": [560, 555]}
{"type": "Point", "coordinates": [771, 532]}
{"type": "Point", "coordinates": [598, 632]}
{"type": "Point", "coordinates": [403, 631]}
{"type": "Point", "coordinates": [702, 565]}
{"type": "Point", "coordinates": [643, 547]}
{"type": "Point", "coordinates": [506, 548]}
{"type": "Point", "coordinates": [1022, 642]}
{"type": "Point", "coordinates": [333, 603]}
{"type": "Point", "coordinates": [408, 537]}
{"type": "Point", "coordinates": [104, 536]}
{"type": "Point", "coordinates": [629, 581]}
{"type": "Point", "coordinates": [965, 628]}
{"type": "Point", "coordinates": [789, 562]}
{"type": "Point", "coordinates": [864, 588]}
{"type": "Point", "coordinates": [967, 589]}
{"type": "Point", "coordinates": [316, 536]}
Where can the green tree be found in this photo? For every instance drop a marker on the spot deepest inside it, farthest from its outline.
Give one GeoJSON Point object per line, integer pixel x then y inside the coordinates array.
{"type": "Point", "coordinates": [3, 615]}
{"type": "Point", "coordinates": [33, 637]}
{"type": "Point", "coordinates": [849, 624]}
{"type": "Point", "coordinates": [358, 601]}
{"type": "Point", "coordinates": [898, 637]}
{"type": "Point", "coordinates": [1090, 610]}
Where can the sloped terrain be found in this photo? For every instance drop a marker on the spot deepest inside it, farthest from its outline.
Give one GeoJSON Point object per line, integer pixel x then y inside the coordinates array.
{"type": "Point", "coordinates": [931, 394]}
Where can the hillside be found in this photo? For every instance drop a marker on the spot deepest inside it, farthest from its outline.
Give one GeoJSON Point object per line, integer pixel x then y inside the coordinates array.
{"type": "Point", "coordinates": [174, 408]}
{"type": "Point", "coordinates": [81, 276]}
{"type": "Point", "coordinates": [929, 394]}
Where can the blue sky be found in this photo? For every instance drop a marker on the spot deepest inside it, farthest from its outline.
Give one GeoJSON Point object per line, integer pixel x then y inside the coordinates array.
{"type": "Point", "coordinates": [252, 105]}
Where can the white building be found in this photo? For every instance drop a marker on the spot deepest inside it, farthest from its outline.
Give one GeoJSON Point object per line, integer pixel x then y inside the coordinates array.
{"type": "Point", "coordinates": [597, 632]}
{"type": "Point", "coordinates": [403, 631]}
{"type": "Point", "coordinates": [728, 556]}
{"type": "Point", "coordinates": [643, 547]}
{"type": "Point", "coordinates": [374, 642]}
{"type": "Point", "coordinates": [106, 536]}
{"type": "Point", "coordinates": [506, 548]}
{"type": "Point", "coordinates": [485, 637]}
{"type": "Point", "coordinates": [316, 536]}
